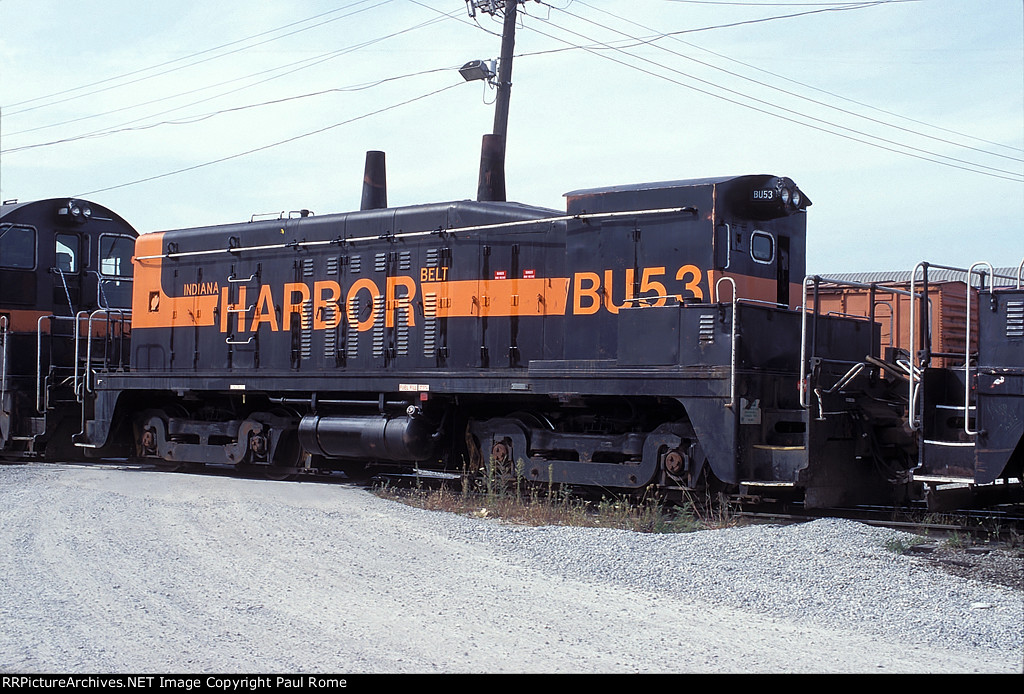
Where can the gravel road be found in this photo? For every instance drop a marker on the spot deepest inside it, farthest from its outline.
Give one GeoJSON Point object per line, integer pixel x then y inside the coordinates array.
{"type": "Point", "coordinates": [110, 570]}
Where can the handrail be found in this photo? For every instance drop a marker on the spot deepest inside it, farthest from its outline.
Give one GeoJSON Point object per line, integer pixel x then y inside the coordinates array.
{"type": "Point", "coordinates": [915, 372]}
{"type": "Point", "coordinates": [967, 346]}
{"type": "Point", "coordinates": [732, 339]}
{"type": "Point", "coordinates": [912, 387]}
{"type": "Point", "coordinates": [817, 281]}
{"type": "Point", "coordinates": [39, 361]}
{"type": "Point", "coordinates": [79, 317]}
{"type": "Point", "coordinates": [802, 384]}
{"type": "Point", "coordinates": [431, 232]}
{"type": "Point", "coordinates": [4, 325]}
{"type": "Point", "coordinates": [122, 315]}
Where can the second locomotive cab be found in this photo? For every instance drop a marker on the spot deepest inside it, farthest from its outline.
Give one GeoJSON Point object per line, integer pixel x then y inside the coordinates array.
{"type": "Point", "coordinates": [645, 336]}
{"type": "Point", "coordinates": [65, 292]}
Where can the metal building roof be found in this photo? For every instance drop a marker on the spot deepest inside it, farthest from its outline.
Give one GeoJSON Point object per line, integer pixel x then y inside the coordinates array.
{"type": "Point", "coordinates": [1005, 275]}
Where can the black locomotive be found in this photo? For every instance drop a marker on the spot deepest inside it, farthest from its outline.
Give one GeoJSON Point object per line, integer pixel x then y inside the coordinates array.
{"type": "Point", "coordinates": [65, 298]}
{"type": "Point", "coordinates": [999, 382]}
{"type": "Point", "coordinates": [645, 336]}
{"type": "Point", "coordinates": [642, 337]}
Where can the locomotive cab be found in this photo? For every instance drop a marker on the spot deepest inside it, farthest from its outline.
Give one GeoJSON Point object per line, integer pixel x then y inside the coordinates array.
{"type": "Point", "coordinates": [65, 270]}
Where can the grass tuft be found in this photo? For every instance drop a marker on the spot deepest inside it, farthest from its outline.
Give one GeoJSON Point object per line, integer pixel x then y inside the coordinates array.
{"type": "Point", "coordinates": [900, 545]}
{"type": "Point", "coordinates": [501, 492]}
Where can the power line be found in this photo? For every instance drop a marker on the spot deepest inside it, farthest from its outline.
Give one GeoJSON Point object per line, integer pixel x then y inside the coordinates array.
{"type": "Point", "coordinates": [675, 37]}
{"type": "Point", "coordinates": [298, 65]}
{"type": "Point", "coordinates": [273, 144]}
{"type": "Point", "coordinates": [953, 162]}
{"type": "Point", "coordinates": [187, 57]}
{"type": "Point", "coordinates": [206, 116]}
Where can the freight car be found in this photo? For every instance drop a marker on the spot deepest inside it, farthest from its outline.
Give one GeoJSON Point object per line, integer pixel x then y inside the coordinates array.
{"type": "Point", "coordinates": [65, 290]}
{"type": "Point", "coordinates": [644, 336]}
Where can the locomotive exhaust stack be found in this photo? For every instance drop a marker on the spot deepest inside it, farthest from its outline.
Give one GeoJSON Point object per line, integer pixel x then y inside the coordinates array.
{"type": "Point", "coordinates": [375, 182]}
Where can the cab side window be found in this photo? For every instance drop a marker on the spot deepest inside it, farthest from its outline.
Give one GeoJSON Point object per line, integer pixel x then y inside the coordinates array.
{"type": "Point", "coordinates": [762, 247]}
{"type": "Point", "coordinates": [115, 271]}
{"type": "Point", "coordinates": [17, 247]}
{"type": "Point", "coordinates": [116, 255]}
{"type": "Point", "coordinates": [67, 253]}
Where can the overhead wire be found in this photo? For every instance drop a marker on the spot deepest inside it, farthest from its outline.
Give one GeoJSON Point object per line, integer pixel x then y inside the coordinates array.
{"type": "Point", "coordinates": [206, 116]}
{"type": "Point", "coordinates": [597, 47]}
{"type": "Point", "coordinates": [274, 144]}
{"type": "Point", "coordinates": [302, 64]}
{"type": "Point", "coordinates": [302, 135]}
{"type": "Point", "coordinates": [795, 117]}
{"type": "Point", "coordinates": [675, 37]}
{"type": "Point", "coordinates": [187, 57]}
{"type": "Point", "coordinates": [627, 43]}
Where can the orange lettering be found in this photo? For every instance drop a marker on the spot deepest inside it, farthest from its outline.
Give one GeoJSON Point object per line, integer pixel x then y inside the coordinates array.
{"type": "Point", "coordinates": [590, 293]}
{"type": "Point", "coordinates": [290, 306]}
{"type": "Point", "coordinates": [226, 308]}
{"type": "Point", "coordinates": [693, 286]}
{"type": "Point", "coordinates": [398, 302]}
{"type": "Point", "coordinates": [320, 304]}
{"type": "Point", "coordinates": [264, 310]}
{"type": "Point", "coordinates": [353, 315]}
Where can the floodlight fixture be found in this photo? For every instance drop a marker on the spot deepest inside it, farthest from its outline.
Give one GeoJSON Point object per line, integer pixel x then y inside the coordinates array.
{"type": "Point", "coordinates": [478, 70]}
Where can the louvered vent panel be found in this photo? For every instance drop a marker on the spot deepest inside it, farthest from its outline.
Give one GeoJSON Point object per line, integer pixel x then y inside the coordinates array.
{"type": "Point", "coordinates": [402, 330]}
{"type": "Point", "coordinates": [352, 343]}
{"type": "Point", "coordinates": [429, 324]}
{"type": "Point", "coordinates": [378, 325]}
{"type": "Point", "coordinates": [706, 331]}
{"type": "Point", "coordinates": [1015, 319]}
{"type": "Point", "coordinates": [306, 339]}
{"type": "Point", "coordinates": [330, 334]}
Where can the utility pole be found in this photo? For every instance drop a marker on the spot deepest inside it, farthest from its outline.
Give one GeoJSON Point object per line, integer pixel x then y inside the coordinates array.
{"type": "Point", "coordinates": [491, 183]}
{"type": "Point", "coordinates": [508, 44]}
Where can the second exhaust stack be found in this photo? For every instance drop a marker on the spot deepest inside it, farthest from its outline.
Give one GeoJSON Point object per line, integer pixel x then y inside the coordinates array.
{"type": "Point", "coordinates": [375, 182]}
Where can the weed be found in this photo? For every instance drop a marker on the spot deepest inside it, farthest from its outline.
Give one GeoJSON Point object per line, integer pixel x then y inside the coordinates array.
{"type": "Point", "coordinates": [957, 541]}
{"type": "Point", "coordinates": [502, 492]}
{"type": "Point", "coordinates": [900, 545]}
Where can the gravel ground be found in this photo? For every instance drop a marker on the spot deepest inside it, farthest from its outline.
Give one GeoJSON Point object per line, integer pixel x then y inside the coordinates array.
{"type": "Point", "coordinates": [124, 571]}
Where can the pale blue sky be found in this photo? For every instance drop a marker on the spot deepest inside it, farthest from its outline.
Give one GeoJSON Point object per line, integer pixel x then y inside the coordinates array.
{"type": "Point", "coordinates": [936, 80]}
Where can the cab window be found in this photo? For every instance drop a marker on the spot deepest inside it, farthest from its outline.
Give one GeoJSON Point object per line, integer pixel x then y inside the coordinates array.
{"type": "Point", "coordinates": [17, 247]}
{"type": "Point", "coordinates": [116, 255]}
{"type": "Point", "coordinates": [67, 253]}
{"type": "Point", "coordinates": [762, 247]}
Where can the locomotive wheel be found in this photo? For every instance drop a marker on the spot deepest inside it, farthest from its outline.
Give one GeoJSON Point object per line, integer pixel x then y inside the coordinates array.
{"type": "Point", "coordinates": [146, 443]}
{"type": "Point", "coordinates": [500, 452]}
{"type": "Point", "coordinates": [675, 463]}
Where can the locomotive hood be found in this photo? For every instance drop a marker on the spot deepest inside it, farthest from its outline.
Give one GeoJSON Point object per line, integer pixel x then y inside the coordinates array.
{"type": "Point", "coordinates": [761, 196]}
